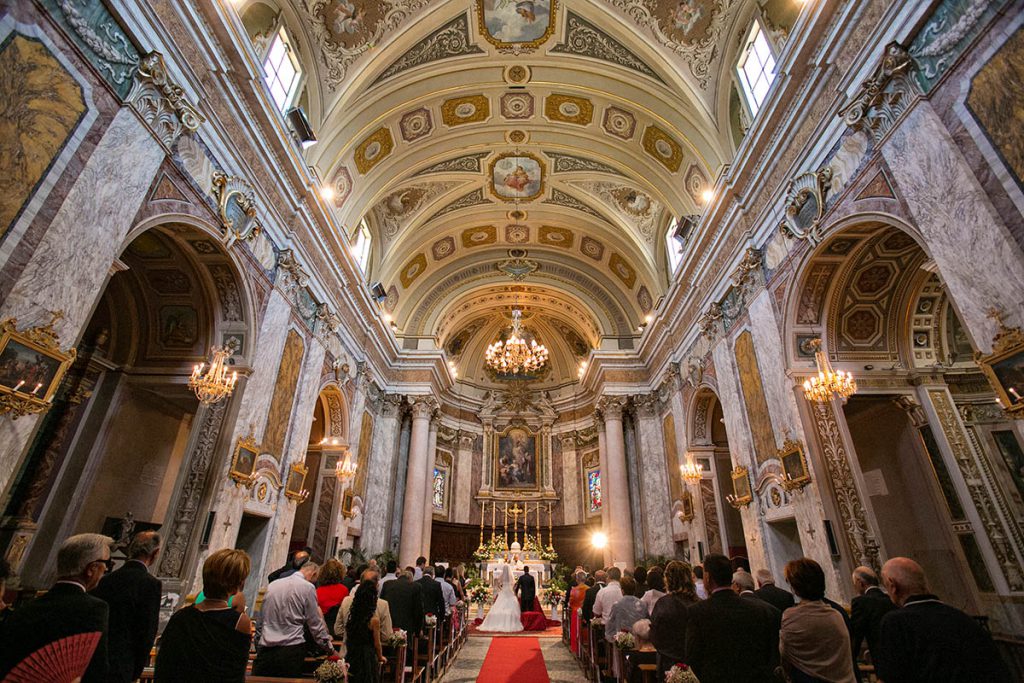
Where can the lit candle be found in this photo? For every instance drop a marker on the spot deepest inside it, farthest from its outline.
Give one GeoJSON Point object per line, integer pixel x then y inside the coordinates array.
{"type": "Point", "coordinates": [19, 385]}
{"type": "Point", "coordinates": [38, 387]}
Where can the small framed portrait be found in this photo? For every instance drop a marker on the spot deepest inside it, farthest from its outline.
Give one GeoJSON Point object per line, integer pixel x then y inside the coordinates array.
{"type": "Point", "coordinates": [31, 368]}
{"type": "Point", "coordinates": [794, 466]}
{"type": "Point", "coordinates": [741, 495]}
{"type": "Point", "coordinates": [686, 512]}
{"type": "Point", "coordinates": [243, 462]}
{"type": "Point", "coordinates": [294, 486]}
{"type": "Point", "coordinates": [1004, 368]}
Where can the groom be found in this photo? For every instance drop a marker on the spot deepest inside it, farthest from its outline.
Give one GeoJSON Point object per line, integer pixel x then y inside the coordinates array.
{"type": "Point", "coordinates": [526, 589]}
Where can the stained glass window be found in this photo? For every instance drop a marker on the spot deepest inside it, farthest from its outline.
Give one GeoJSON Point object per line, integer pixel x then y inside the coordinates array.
{"type": "Point", "coordinates": [440, 477]}
{"type": "Point", "coordinates": [594, 490]}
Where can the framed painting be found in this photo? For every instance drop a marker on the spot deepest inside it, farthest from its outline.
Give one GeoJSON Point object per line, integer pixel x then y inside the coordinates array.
{"type": "Point", "coordinates": [517, 176]}
{"type": "Point", "coordinates": [31, 368]}
{"type": "Point", "coordinates": [516, 460]}
{"type": "Point", "coordinates": [516, 25]}
{"type": "Point", "coordinates": [295, 484]}
{"type": "Point", "coordinates": [794, 466]}
{"type": "Point", "coordinates": [741, 494]}
{"type": "Point", "coordinates": [686, 512]}
{"type": "Point", "coordinates": [1004, 368]}
{"type": "Point", "coordinates": [243, 461]}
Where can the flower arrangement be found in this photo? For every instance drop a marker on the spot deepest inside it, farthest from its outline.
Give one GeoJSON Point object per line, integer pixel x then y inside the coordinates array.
{"type": "Point", "coordinates": [430, 620]}
{"type": "Point", "coordinates": [681, 673]}
{"type": "Point", "coordinates": [396, 639]}
{"type": "Point", "coordinates": [478, 592]}
{"type": "Point", "coordinates": [624, 640]}
{"type": "Point", "coordinates": [548, 554]}
{"type": "Point", "coordinates": [492, 548]}
{"type": "Point", "coordinates": [333, 670]}
{"type": "Point", "coordinates": [597, 621]}
{"type": "Point", "coordinates": [554, 591]}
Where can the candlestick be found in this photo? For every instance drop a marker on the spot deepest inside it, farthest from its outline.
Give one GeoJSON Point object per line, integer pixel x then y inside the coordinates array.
{"type": "Point", "coordinates": [551, 532]}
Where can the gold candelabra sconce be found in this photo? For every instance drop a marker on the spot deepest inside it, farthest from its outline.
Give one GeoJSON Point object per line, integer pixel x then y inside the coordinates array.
{"type": "Point", "coordinates": [295, 486]}
{"type": "Point", "coordinates": [741, 495]}
{"type": "Point", "coordinates": [691, 471]}
{"type": "Point", "coordinates": [213, 384]}
{"type": "Point", "coordinates": [32, 367]}
{"type": "Point", "coordinates": [346, 469]}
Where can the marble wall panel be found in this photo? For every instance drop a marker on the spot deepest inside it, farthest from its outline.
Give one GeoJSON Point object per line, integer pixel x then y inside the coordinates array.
{"type": "Point", "coordinates": [572, 482]}
{"type": "Point", "coordinates": [69, 267]}
{"type": "Point", "coordinates": [378, 499]}
{"type": "Point", "coordinates": [754, 398]}
{"type": "Point", "coordinates": [280, 413]}
{"type": "Point", "coordinates": [672, 461]}
{"type": "Point", "coordinates": [977, 258]}
{"type": "Point", "coordinates": [656, 508]}
{"type": "Point", "coordinates": [463, 485]}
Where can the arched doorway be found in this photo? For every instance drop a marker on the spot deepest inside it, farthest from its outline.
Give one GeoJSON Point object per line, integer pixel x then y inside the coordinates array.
{"type": "Point", "coordinates": [173, 293]}
{"type": "Point", "coordinates": [875, 298]}
{"type": "Point", "coordinates": [709, 445]}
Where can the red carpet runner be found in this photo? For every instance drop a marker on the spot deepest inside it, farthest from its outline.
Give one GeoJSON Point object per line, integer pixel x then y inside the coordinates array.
{"type": "Point", "coordinates": [514, 660]}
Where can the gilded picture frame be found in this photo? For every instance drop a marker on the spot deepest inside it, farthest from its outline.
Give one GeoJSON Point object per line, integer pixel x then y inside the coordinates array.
{"type": "Point", "coordinates": [794, 466]}
{"type": "Point", "coordinates": [484, 10]}
{"type": "Point", "coordinates": [32, 366]}
{"type": "Point", "coordinates": [742, 495]}
{"type": "Point", "coordinates": [294, 486]}
{"type": "Point", "coordinates": [531, 187]}
{"type": "Point", "coordinates": [686, 514]}
{"type": "Point", "coordinates": [1004, 368]}
{"type": "Point", "coordinates": [516, 459]}
{"type": "Point", "coordinates": [243, 461]}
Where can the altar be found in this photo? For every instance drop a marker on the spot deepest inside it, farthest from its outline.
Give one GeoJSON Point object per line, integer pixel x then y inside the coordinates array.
{"type": "Point", "coordinates": [540, 570]}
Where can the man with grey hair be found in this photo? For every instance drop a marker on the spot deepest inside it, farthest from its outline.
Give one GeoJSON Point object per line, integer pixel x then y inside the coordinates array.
{"type": "Point", "coordinates": [289, 605]}
{"type": "Point", "coordinates": [134, 599]}
{"type": "Point", "coordinates": [777, 597]}
{"type": "Point", "coordinates": [66, 610]}
{"type": "Point", "coordinates": [867, 610]}
{"type": "Point", "coordinates": [928, 640]}
{"type": "Point", "coordinates": [743, 584]}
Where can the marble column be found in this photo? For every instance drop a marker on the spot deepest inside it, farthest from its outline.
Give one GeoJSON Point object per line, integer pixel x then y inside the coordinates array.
{"type": "Point", "coordinates": [606, 517]}
{"type": "Point", "coordinates": [428, 493]}
{"type": "Point", "coordinates": [411, 541]}
{"type": "Point", "coordinates": [655, 505]}
{"type": "Point", "coordinates": [615, 482]}
{"type": "Point", "coordinates": [377, 498]}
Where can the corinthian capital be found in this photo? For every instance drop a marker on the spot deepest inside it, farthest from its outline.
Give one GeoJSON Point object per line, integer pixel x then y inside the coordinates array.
{"type": "Point", "coordinates": [646, 405]}
{"type": "Point", "coordinates": [611, 407]}
{"type": "Point", "coordinates": [423, 407]}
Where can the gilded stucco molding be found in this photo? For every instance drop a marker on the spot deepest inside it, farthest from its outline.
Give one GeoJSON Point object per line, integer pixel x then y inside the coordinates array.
{"type": "Point", "coordinates": [161, 102]}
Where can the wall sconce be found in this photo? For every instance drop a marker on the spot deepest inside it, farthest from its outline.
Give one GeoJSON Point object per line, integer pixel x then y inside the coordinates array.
{"type": "Point", "coordinates": [294, 488]}
{"type": "Point", "coordinates": [741, 496]}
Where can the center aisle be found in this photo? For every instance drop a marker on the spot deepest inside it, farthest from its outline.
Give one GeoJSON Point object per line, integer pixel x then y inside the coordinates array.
{"type": "Point", "coordinates": [514, 660]}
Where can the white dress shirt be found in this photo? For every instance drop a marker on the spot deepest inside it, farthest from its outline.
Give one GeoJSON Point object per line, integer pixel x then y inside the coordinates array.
{"type": "Point", "coordinates": [702, 592]}
{"type": "Point", "coordinates": [289, 604]}
{"type": "Point", "coordinates": [449, 595]}
{"type": "Point", "coordinates": [606, 598]}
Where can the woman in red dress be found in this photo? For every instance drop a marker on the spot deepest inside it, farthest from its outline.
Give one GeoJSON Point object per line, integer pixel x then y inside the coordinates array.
{"type": "Point", "coordinates": [575, 603]}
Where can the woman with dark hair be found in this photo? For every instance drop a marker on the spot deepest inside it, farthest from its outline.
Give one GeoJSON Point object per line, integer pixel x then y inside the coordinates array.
{"type": "Point", "coordinates": [655, 589]}
{"type": "Point", "coordinates": [362, 636]}
{"type": "Point", "coordinates": [449, 576]}
{"type": "Point", "coordinates": [813, 642]}
{"type": "Point", "coordinates": [330, 591]}
{"type": "Point", "coordinates": [668, 618]}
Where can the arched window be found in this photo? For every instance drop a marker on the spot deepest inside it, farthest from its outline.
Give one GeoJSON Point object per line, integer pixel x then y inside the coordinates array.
{"type": "Point", "coordinates": [756, 68]}
{"type": "Point", "coordinates": [361, 246]}
{"type": "Point", "coordinates": [281, 70]}
{"type": "Point", "coordinates": [673, 246]}
{"type": "Point", "coordinates": [593, 490]}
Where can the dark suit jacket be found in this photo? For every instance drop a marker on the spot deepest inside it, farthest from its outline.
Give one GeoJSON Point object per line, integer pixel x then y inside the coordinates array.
{"type": "Point", "coordinates": [433, 597]}
{"type": "Point", "coordinates": [405, 598]}
{"type": "Point", "coordinates": [730, 639]}
{"type": "Point", "coordinates": [65, 610]}
{"type": "Point", "coordinates": [526, 589]}
{"type": "Point", "coordinates": [866, 617]}
{"type": "Point", "coordinates": [776, 597]}
{"type": "Point", "coordinates": [134, 599]}
{"type": "Point", "coordinates": [927, 640]}
{"type": "Point", "coordinates": [668, 630]}
{"type": "Point", "coordinates": [588, 602]}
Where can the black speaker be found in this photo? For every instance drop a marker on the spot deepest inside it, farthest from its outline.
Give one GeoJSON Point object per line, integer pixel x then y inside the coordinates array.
{"type": "Point", "coordinates": [377, 292]}
{"type": "Point", "coordinates": [300, 126]}
{"type": "Point", "coordinates": [833, 545]}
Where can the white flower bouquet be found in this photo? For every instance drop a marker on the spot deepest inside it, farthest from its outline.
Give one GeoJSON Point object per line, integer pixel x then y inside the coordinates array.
{"type": "Point", "coordinates": [430, 620]}
{"type": "Point", "coordinates": [396, 639]}
{"type": "Point", "coordinates": [681, 673]}
{"type": "Point", "coordinates": [624, 640]}
{"type": "Point", "coordinates": [333, 670]}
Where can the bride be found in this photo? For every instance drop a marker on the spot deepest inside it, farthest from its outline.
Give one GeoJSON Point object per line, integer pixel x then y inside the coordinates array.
{"type": "Point", "coordinates": [504, 614]}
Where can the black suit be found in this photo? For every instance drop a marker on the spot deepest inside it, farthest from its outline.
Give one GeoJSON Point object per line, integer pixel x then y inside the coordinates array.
{"type": "Point", "coordinates": [866, 616]}
{"type": "Point", "coordinates": [730, 639]}
{"type": "Point", "coordinates": [134, 599]}
{"type": "Point", "coordinates": [433, 597]}
{"type": "Point", "coordinates": [776, 597]}
{"type": "Point", "coordinates": [588, 602]}
{"type": "Point", "coordinates": [526, 589]}
{"type": "Point", "coordinates": [65, 610]}
{"type": "Point", "coordinates": [927, 640]}
{"type": "Point", "coordinates": [405, 599]}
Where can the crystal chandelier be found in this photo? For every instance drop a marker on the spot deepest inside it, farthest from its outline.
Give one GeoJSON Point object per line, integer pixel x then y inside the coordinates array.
{"type": "Point", "coordinates": [213, 384]}
{"type": "Point", "coordinates": [515, 356]}
{"type": "Point", "coordinates": [828, 383]}
{"type": "Point", "coordinates": [691, 471]}
{"type": "Point", "coordinates": [345, 469]}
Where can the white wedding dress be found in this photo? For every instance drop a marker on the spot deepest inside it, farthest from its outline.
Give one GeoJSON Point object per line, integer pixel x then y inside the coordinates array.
{"type": "Point", "coordinates": [504, 614]}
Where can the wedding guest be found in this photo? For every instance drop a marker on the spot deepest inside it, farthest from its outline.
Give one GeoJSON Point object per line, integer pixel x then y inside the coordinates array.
{"type": "Point", "coordinates": [576, 596]}
{"type": "Point", "coordinates": [209, 641]}
{"type": "Point", "coordinates": [294, 563]}
{"type": "Point", "coordinates": [669, 617]}
{"type": "Point", "coordinates": [449, 578]}
{"type": "Point", "coordinates": [447, 590]}
{"type": "Point", "coordinates": [698, 583]}
{"type": "Point", "coordinates": [363, 651]}
{"type": "Point", "coordinates": [626, 611]}
{"type": "Point", "coordinates": [778, 598]}
{"type": "Point", "coordinates": [383, 609]}
{"type": "Point", "coordinates": [655, 589]}
{"type": "Point", "coordinates": [928, 640]}
{"type": "Point", "coordinates": [587, 613]}
{"type": "Point", "coordinates": [433, 594]}
{"type": "Point", "coordinates": [739, 562]}
{"type": "Point", "coordinates": [813, 642]}
{"type": "Point", "coordinates": [134, 600]}
{"type": "Point", "coordinates": [421, 563]}
{"type": "Point", "coordinates": [867, 609]}
{"type": "Point", "coordinates": [730, 639]}
{"type": "Point", "coordinates": [609, 595]}
{"type": "Point", "coordinates": [289, 607]}
{"type": "Point", "coordinates": [743, 585]}
{"type": "Point", "coordinates": [640, 575]}
{"type": "Point", "coordinates": [351, 579]}
{"type": "Point", "coordinates": [64, 611]}
{"type": "Point", "coordinates": [330, 591]}
{"type": "Point", "coordinates": [391, 574]}
{"type": "Point", "coordinates": [405, 602]}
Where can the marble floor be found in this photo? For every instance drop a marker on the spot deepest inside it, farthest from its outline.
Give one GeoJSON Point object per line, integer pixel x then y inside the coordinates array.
{"type": "Point", "coordinates": [561, 665]}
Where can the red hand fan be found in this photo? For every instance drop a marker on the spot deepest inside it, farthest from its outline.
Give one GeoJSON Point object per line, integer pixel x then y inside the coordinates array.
{"type": "Point", "coordinates": [62, 661]}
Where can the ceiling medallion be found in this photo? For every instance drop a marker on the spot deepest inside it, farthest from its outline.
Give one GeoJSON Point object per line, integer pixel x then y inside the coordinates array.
{"type": "Point", "coordinates": [517, 137]}
{"type": "Point", "coordinates": [517, 266]}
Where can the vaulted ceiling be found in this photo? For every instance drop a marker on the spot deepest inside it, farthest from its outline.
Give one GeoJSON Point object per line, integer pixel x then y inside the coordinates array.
{"type": "Point", "coordinates": [479, 138]}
